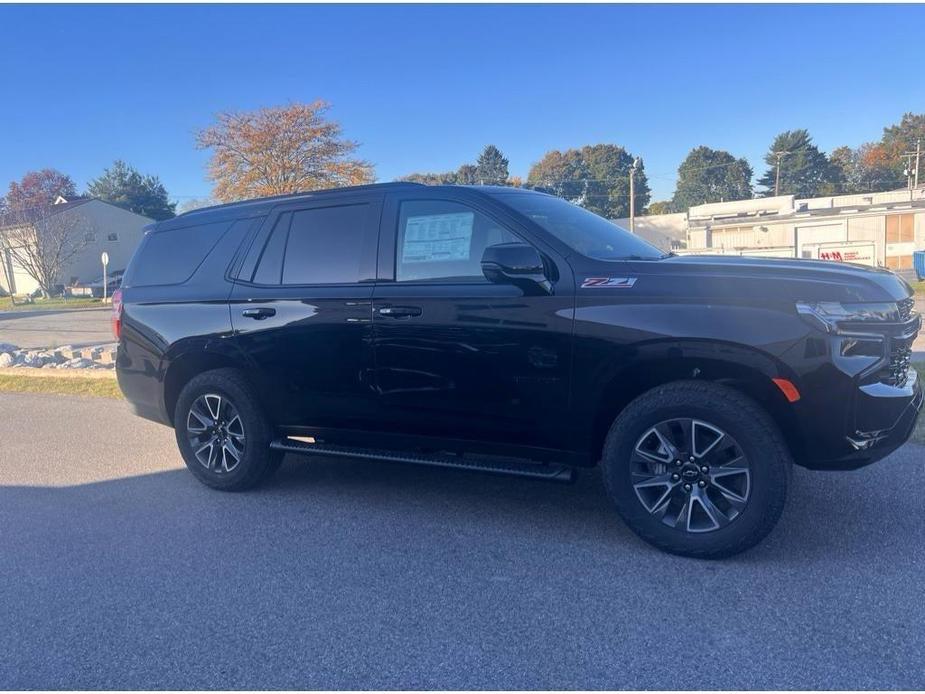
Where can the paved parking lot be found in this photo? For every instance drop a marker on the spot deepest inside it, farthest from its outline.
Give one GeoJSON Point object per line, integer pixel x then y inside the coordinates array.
{"type": "Point", "coordinates": [35, 329]}
{"type": "Point", "coordinates": [121, 571]}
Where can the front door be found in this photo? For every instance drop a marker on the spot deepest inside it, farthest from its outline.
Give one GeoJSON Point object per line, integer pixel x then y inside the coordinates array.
{"type": "Point", "coordinates": [301, 311]}
{"type": "Point", "coordinates": [458, 357]}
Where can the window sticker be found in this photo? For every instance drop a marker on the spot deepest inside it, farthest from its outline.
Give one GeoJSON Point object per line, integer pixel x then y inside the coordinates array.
{"type": "Point", "coordinates": [437, 238]}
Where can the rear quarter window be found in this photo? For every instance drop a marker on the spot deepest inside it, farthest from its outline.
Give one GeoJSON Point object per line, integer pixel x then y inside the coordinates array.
{"type": "Point", "coordinates": [172, 256]}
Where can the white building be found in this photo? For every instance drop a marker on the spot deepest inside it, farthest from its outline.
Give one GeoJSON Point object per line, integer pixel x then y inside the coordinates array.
{"type": "Point", "coordinates": [107, 227]}
{"type": "Point", "coordinates": [887, 226]}
{"type": "Point", "coordinates": [666, 231]}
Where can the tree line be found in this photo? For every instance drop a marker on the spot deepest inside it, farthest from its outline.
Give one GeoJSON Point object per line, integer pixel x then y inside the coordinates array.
{"type": "Point", "coordinates": [597, 176]}
{"type": "Point", "coordinates": [298, 147]}
{"type": "Point", "coordinates": [120, 184]}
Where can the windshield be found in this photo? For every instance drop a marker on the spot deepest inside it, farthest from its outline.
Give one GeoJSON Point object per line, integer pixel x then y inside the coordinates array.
{"type": "Point", "coordinates": [581, 230]}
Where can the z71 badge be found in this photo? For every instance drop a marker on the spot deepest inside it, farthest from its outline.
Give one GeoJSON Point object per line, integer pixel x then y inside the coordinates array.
{"type": "Point", "coordinates": [618, 282]}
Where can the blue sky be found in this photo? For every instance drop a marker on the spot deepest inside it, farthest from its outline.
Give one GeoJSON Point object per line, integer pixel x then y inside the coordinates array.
{"type": "Point", "coordinates": [424, 88]}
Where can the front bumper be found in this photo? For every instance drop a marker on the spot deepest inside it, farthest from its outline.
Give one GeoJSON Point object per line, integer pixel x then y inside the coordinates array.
{"type": "Point", "coordinates": [883, 419]}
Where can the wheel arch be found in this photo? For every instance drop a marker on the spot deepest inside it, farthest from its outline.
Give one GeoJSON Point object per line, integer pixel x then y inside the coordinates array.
{"type": "Point", "coordinates": [182, 369]}
{"type": "Point", "coordinates": [744, 369]}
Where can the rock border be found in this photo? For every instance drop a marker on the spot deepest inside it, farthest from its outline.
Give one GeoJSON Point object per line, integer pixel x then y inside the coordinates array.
{"type": "Point", "coordinates": [67, 357]}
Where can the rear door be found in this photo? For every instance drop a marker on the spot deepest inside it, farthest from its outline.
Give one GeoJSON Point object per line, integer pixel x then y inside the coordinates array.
{"type": "Point", "coordinates": [301, 310]}
{"type": "Point", "coordinates": [458, 357]}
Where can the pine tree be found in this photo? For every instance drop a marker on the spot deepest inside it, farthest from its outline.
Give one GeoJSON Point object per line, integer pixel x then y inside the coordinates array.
{"type": "Point", "coordinates": [491, 168]}
{"type": "Point", "coordinates": [805, 171]}
{"type": "Point", "coordinates": [125, 187]}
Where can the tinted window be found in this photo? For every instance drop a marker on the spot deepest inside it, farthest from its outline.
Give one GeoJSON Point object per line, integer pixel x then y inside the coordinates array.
{"type": "Point", "coordinates": [325, 245]}
{"type": "Point", "coordinates": [440, 240]}
{"type": "Point", "coordinates": [171, 257]}
{"type": "Point", "coordinates": [581, 230]}
{"type": "Point", "coordinates": [270, 264]}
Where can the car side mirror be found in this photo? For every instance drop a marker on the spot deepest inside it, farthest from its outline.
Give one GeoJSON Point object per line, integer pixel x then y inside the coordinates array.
{"type": "Point", "coordinates": [516, 263]}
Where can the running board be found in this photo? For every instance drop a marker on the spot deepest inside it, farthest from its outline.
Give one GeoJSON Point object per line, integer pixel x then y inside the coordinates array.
{"type": "Point", "coordinates": [553, 472]}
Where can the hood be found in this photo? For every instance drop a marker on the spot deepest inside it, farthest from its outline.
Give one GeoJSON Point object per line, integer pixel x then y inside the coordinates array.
{"type": "Point", "coordinates": [754, 278]}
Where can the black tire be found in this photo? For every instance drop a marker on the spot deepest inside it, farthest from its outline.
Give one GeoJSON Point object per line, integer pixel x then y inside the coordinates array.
{"type": "Point", "coordinates": [747, 430]}
{"type": "Point", "coordinates": [256, 462]}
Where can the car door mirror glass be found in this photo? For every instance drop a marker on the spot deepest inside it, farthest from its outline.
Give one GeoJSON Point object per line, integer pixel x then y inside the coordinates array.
{"type": "Point", "coordinates": [516, 263]}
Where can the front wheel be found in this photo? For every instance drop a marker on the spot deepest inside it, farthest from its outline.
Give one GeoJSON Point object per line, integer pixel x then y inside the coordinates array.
{"type": "Point", "coordinates": [222, 432]}
{"type": "Point", "coordinates": [697, 469]}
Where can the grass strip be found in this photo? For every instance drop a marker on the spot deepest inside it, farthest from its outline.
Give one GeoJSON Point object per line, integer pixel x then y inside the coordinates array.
{"type": "Point", "coordinates": [50, 304]}
{"type": "Point", "coordinates": [92, 384]}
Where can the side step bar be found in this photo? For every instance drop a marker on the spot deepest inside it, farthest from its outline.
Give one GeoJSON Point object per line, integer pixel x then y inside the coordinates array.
{"type": "Point", "coordinates": [553, 472]}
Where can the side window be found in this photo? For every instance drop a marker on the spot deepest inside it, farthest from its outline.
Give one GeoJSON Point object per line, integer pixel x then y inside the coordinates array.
{"type": "Point", "coordinates": [171, 257]}
{"type": "Point", "coordinates": [270, 265]}
{"type": "Point", "coordinates": [441, 240]}
{"type": "Point", "coordinates": [323, 245]}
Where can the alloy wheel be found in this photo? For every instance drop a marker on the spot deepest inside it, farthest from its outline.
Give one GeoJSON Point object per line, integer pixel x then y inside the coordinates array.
{"type": "Point", "coordinates": [215, 433]}
{"type": "Point", "coordinates": [691, 475]}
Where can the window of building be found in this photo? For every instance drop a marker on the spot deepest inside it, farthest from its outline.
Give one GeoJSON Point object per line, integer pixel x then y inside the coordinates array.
{"type": "Point", "coordinates": [112, 237]}
{"type": "Point", "coordinates": [900, 228]}
{"type": "Point", "coordinates": [441, 240]}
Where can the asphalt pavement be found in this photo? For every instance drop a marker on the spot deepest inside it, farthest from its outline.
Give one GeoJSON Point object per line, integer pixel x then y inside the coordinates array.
{"type": "Point", "coordinates": [119, 570]}
{"type": "Point", "coordinates": [41, 329]}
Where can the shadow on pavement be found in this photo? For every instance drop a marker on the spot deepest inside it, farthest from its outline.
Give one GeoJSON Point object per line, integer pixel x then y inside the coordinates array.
{"type": "Point", "coordinates": [355, 574]}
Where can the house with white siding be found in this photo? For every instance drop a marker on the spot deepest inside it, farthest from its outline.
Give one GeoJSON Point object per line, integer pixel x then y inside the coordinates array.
{"type": "Point", "coordinates": [105, 227]}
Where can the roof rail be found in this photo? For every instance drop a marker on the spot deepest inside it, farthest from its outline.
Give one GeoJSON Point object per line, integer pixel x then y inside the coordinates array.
{"type": "Point", "coordinates": [306, 194]}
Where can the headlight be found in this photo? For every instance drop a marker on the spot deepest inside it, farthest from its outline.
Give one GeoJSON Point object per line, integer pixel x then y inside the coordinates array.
{"type": "Point", "coordinates": [835, 317]}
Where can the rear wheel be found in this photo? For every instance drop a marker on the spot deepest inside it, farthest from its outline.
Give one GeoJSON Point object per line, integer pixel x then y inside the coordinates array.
{"type": "Point", "coordinates": [697, 469]}
{"type": "Point", "coordinates": [222, 432]}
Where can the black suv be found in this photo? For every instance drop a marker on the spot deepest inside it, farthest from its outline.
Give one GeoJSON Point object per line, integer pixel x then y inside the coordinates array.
{"type": "Point", "coordinates": [505, 330]}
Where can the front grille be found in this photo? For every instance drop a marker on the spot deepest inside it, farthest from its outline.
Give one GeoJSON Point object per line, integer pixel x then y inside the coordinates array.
{"type": "Point", "coordinates": [896, 372]}
{"type": "Point", "coordinates": [905, 308]}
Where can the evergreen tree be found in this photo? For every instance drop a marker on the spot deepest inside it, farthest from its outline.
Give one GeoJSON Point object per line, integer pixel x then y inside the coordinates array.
{"type": "Point", "coordinates": [491, 168]}
{"type": "Point", "coordinates": [123, 186]}
{"type": "Point", "coordinates": [805, 171]}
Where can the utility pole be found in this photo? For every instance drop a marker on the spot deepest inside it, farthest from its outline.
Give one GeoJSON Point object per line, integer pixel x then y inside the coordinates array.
{"type": "Point", "coordinates": [633, 194]}
{"type": "Point", "coordinates": [913, 162]}
{"type": "Point", "coordinates": [780, 155]}
{"type": "Point", "coordinates": [918, 154]}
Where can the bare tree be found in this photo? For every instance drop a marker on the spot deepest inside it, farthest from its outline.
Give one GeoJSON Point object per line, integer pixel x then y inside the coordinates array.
{"type": "Point", "coordinates": [43, 242]}
{"type": "Point", "coordinates": [7, 275]}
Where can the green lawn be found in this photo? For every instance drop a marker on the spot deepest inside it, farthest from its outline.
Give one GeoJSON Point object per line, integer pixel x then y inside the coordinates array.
{"type": "Point", "coordinates": [49, 304]}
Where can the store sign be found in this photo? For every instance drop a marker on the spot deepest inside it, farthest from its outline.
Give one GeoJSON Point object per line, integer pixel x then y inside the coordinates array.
{"type": "Point", "coordinates": [849, 252]}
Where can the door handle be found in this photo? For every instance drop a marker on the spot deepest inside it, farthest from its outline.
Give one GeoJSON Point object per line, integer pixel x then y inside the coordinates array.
{"type": "Point", "coordinates": [400, 311]}
{"type": "Point", "coordinates": [258, 313]}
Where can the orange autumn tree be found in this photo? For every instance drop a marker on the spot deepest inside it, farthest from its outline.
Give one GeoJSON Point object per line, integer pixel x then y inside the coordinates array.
{"type": "Point", "coordinates": [278, 150]}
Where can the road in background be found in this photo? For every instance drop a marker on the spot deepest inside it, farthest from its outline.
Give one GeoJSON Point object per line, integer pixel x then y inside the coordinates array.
{"type": "Point", "coordinates": [119, 570]}
{"type": "Point", "coordinates": [40, 329]}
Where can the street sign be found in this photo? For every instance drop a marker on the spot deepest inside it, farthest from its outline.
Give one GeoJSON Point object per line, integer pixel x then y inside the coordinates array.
{"type": "Point", "coordinates": [104, 258]}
